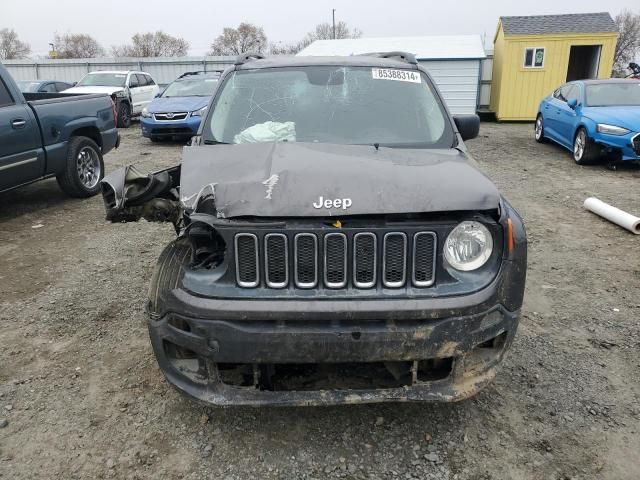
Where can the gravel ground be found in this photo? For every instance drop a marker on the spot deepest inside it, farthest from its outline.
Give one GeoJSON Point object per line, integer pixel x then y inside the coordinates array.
{"type": "Point", "coordinates": [81, 395]}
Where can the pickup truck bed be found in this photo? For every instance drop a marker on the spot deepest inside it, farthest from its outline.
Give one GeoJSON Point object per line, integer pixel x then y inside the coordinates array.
{"type": "Point", "coordinates": [54, 134]}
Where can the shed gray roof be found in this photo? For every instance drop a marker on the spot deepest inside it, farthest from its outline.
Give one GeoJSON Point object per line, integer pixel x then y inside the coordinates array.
{"type": "Point", "coordinates": [571, 23]}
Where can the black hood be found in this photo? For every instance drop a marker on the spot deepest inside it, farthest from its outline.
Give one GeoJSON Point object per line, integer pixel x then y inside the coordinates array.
{"type": "Point", "coordinates": [287, 179]}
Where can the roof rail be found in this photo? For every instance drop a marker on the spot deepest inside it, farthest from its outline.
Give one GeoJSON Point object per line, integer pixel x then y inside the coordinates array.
{"type": "Point", "coordinates": [404, 56]}
{"type": "Point", "coordinates": [200, 72]}
{"type": "Point", "coordinates": [246, 57]}
{"type": "Point", "coordinates": [187, 74]}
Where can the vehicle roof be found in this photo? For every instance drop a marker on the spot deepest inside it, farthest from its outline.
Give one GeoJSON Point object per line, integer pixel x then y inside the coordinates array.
{"type": "Point", "coordinates": [346, 61]}
{"type": "Point", "coordinates": [606, 80]}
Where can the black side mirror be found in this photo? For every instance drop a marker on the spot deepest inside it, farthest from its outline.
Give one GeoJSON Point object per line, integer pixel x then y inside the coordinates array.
{"type": "Point", "coordinates": [468, 125]}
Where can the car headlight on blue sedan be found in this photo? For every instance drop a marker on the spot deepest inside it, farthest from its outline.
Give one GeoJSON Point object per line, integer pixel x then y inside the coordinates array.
{"type": "Point", "coordinates": [612, 129]}
{"type": "Point", "coordinates": [145, 113]}
{"type": "Point", "coordinates": [200, 113]}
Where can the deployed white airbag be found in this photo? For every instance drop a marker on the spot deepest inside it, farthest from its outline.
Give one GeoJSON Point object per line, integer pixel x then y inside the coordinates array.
{"type": "Point", "coordinates": [267, 132]}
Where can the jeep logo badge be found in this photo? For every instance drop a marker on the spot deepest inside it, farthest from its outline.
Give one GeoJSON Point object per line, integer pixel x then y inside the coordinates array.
{"type": "Point", "coordinates": [322, 202]}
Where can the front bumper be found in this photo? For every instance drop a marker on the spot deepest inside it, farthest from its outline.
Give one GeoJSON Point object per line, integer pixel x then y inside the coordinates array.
{"type": "Point", "coordinates": [470, 332]}
{"type": "Point", "coordinates": [620, 144]}
{"type": "Point", "coordinates": [170, 128]}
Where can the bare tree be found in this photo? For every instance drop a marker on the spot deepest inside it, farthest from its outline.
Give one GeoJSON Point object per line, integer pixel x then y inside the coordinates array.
{"type": "Point", "coordinates": [628, 41]}
{"type": "Point", "coordinates": [77, 45]}
{"type": "Point", "coordinates": [322, 31]}
{"type": "Point", "coordinates": [152, 44]}
{"type": "Point", "coordinates": [11, 47]}
{"type": "Point", "coordinates": [234, 41]}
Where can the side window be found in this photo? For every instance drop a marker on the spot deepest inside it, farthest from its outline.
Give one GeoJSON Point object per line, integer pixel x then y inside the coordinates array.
{"type": "Point", "coordinates": [142, 80]}
{"type": "Point", "coordinates": [60, 86]}
{"type": "Point", "coordinates": [573, 92]}
{"type": "Point", "coordinates": [150, 80]}
{"type": "Point", "coordinates": [48, 88]}
{"type": "Point", "coordinates": [5, 96]}
{"type": "Point", "coordinates": [534, 57]}
{"type": "Point", "coordinates": [564, 91]}
{"type": "Point", "coordinates": [133, 81]}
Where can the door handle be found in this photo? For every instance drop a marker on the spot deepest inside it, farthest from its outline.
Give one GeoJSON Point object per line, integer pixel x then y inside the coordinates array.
{"type": "Point", "coordinates": [18, 123]}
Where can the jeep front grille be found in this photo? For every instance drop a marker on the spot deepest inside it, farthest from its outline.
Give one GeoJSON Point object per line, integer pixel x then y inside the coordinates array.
{"type": "Point", "coordinates": [247, 268]}
{"type": "Point", "coordinates": [336, 260]}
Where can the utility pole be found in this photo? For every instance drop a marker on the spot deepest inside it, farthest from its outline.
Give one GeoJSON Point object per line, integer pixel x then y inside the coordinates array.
{"type": "Point", "coordinates": [333, 14]}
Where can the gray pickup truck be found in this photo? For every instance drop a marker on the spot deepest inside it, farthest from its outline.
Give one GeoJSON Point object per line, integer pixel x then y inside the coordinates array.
{"type": "Point", "coordinates": [337, 243]}
{"type": "Point", "coordinates": [58, 135]}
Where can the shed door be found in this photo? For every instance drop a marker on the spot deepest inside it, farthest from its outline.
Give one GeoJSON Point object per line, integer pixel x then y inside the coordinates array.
{"type": "Point", "coordinates": [458, 82]}
{"type": "Point", "coordinates": [584, 61]}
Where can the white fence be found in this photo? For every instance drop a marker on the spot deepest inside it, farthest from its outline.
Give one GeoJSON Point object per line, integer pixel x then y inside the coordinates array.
{"type": "Point", "coordinates": [163, 70]}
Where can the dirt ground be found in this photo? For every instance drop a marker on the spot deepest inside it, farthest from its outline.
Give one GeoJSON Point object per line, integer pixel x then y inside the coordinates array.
{"type": "Point", "coordinates": [83, 397]}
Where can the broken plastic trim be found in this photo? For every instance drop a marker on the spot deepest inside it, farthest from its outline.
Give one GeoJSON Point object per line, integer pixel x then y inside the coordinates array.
{"type": "Point", "coordinates": [130, 195]}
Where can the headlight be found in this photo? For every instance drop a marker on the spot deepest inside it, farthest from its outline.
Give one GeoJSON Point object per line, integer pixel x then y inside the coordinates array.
{"type": "Point", "coordinates": [468, 246]}
{"type": "Point", "coordinates": [145, 113]}
{"type": "Point", "coordinates": [612, 129]}
{"type": "Point", "coordinates": [200, 113]}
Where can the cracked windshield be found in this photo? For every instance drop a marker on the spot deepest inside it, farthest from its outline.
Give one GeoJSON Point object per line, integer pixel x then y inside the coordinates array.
{"type": "Point", "coordinates": [325, 104]}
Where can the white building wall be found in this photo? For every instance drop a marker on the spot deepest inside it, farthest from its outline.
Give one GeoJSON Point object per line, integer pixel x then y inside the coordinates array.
{"type": "Point", "coordinates": [458, 82]}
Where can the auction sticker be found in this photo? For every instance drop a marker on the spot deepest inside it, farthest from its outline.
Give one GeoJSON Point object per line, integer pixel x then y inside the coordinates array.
{"type": "Point", "coordinates": [399, 75]}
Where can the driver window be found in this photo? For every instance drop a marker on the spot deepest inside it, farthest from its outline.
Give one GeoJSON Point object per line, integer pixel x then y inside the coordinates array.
{"type": "Point", "coordinates": [564, 91]}
{"type": "Point", "coordinates": [133, 81]}
{"type": "Point", "coordinates": [573, 92]}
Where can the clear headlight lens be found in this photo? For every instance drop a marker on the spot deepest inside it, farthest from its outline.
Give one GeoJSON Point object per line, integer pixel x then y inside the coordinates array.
{"type": "Point", "coordinates": [468, 246]}
{"type": "Point", "coordinates": [200, 113]}
{"type": "Point", "coordinates": [145, 113]}
{"type": "Point", "coordinates": [612, 129]}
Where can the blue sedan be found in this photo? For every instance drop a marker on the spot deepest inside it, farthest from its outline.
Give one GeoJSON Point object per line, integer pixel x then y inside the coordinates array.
{"type": "Point", "coordinates": [593, 118]}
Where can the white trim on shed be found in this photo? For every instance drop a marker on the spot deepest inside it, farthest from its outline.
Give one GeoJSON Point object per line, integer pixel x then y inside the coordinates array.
{"type": "Point", "coordinates": [454, 61]}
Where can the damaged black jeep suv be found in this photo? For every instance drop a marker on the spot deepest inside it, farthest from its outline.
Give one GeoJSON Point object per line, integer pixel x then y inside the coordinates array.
{"type": "Point", "coordinates": [336, 243]}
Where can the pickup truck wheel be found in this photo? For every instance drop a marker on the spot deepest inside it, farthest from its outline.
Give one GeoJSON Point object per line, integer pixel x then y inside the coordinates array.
{"type": "Point", "coordinates": [124, 115]}
{"type": "Point", "coordinates": [585, 152]}
{"type": "Point", "coordinates": [84, 169]}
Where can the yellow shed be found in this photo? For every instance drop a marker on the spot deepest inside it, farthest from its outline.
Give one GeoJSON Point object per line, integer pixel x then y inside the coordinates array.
{"type": "Point", "coordinates": [534, 55]}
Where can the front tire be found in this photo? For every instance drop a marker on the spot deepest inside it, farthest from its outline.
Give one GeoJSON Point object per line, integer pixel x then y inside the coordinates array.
{"type": "Point", "coordinates": [539, 129]}
{"type": "Point", "coordinates": [584, 150]}
{"type": "Point", "coordinates": [84, 168]}
{"type": "Point", "coordinates": [124, 115]}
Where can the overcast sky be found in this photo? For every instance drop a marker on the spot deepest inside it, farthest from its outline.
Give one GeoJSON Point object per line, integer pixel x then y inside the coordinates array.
{"type": "Point", "coordinates": [200, 21]}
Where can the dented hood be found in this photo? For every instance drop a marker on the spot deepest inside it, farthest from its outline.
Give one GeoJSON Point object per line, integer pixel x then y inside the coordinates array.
{"type": "Point", "coordinates": [312, 179]}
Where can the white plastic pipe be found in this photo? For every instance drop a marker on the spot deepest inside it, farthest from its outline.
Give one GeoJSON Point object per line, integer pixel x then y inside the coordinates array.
{"type": "Point", "coordinates": [613, 214]}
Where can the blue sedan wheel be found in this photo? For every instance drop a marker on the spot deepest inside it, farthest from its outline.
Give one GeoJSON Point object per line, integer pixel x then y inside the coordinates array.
{"type": "Point", "coordinates": [539, 129]}
{"type": "Point", "coordinates": [584, 151]}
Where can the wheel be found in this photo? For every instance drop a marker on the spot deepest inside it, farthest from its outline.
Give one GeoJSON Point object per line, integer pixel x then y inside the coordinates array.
{"type": "Point", "coordinates": [124, 115]}
{"type": "Point", "coordinates": [168, 271]}
{"type": "Point", "coordinates": [84, 168]}
{"type": "Point", "coordinates": [584, 151]}
{"type": "Point", "coordinates": [539, 129]}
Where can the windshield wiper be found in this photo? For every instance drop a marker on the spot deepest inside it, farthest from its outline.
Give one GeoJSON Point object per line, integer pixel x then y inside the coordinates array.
{"type": "Point", "coordinates": [215, 142]}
